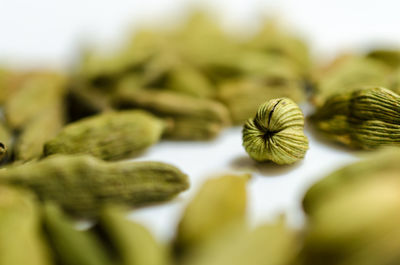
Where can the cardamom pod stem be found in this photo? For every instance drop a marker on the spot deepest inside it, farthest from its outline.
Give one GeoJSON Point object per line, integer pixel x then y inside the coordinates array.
{"type": "Point", "coordinates": [134, 244]}
{"type": "Point", "coordinates": [110, 136]}
{"type": "Point", "coordinates": [276, 133]}
{"type": "Point", "coordinates": [72, 247]}
{"type": "Point", "coordinates": [21, 240]}
{"type": "Point", "coordinates": [81, 184]}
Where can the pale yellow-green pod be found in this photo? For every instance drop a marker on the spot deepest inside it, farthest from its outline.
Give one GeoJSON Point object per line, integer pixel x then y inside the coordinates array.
{"type": "Point", "coordinates": [276, 133]}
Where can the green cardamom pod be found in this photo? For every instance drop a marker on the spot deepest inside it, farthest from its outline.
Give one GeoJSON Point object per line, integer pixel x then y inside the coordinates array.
{"type": "Point", "coordinates": [81, 184]}
{"type": "Point", "coordinates": [185, 111]}
{"type": "Point", "coordinates": [389, 57]}
{"type": "Point", "coordinates": [38, 92]}
{"type": "Point", "coordinates": [72, 247]}
{"type": "Point", "coordinates": [366, 118]}
{"type": "Point", "coordinates": [276, 133]}
{"type": "Point", "coordinates": [243, 96]}
{"type": "Point", "coordinates": [353, 214]}
{"type": "Point", "coordinates": [349, 74]}
{"type": "Point", "coordinates": [110, 135]}
{"type": "Point", "coordinates": [21, 240]}
{"type": "Point", "coordinates": [219, 202]}
{"type": "Point", "coordinates": [268, 244]}
{"type": "Point", "coordinates": [30, 142]}
{"type": "Point", "coordinates": [134, 244]}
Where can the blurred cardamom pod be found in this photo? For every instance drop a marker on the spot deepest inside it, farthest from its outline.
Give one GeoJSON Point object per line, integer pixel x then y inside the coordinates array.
{"type": "Point", "coordinates": [353, 214]}
{"type": "Point", "coordinates": [134, 244]}
{"type": "Point", "coordinates": [5, 142]}
{"type": "Point", "coordinates": [81, 184]}
{"type": "Point", "coordinates": [192, 118]}
{"type": "Point", "coordinates": [390, 57]}
{"type": "Point", "coordinates": [72, 247]}
{"type": "Point", "coordinates": [276, 133]}
{"type": "Point", "coordinates": [366, 118]}
{"type": "Point", "coordinates": [110, 136]}
{"type": "Point", "coordinates": [21, 240]}
{"type": "Point", "coordinates": [219, 203]}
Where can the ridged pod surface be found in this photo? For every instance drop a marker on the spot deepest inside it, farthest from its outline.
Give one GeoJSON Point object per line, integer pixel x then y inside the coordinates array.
{"type": "Point", "coordinates": [81, 184]}
{"type": "Point", "coordinates": [276, 133]}
{"type": "Point", "coordinates": [366, 118]}
{"type": "Point", "coordinates": [110, 136]}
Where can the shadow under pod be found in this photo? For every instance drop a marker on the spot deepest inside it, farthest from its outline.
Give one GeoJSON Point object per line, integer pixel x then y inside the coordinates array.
{"type": "Point", "coordinates": [268, 168]}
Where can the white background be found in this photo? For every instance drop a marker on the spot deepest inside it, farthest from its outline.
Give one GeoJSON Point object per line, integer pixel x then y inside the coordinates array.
{"type": "Point", "coordinates": [50, 33]}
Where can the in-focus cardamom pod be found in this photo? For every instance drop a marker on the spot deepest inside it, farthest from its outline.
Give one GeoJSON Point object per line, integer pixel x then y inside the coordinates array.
{"type": "Point", "coordinates": [72, 247]}
{"type": "Point", "coordinates": [366, 118]}
{"type": "Point", "coordinates": [219, 203]}
{"type": "Point", "coordinates": [110, 136]}
{"type": "Point", "coordinates": [186, 111]}
{"type": "Point", "coordinates": [82, 184]}
{"type": "Point", "coordinates": [134, 244]}
{"type": "Point", "coordinates": [276, 133]}
{"type": "Point", "coordinates": [21, 240]}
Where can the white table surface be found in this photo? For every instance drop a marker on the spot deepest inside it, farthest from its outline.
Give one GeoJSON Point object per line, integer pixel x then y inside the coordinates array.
{"type": "Point", "coordinates": [49, 33]}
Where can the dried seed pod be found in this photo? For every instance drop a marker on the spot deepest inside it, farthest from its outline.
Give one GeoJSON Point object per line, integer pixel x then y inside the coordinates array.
{"type": "Point", "coordinates": [353, 214]}
{"type": "Point", "coordinates": [39, 92]}
{"type": "Point", "coordinates": [21, 241]}
{"type": "Point", "coordinates": [366, 118]}
{"type": "Point", "coordinates": [110, 136]}
{"type": "Point", "coordinates": [134, 244]}
{"type": "Point", "coordinates": [268, 244]}
{"type": "Point", "coordinates": [219, 203]}
{"type": "Point", "coordinates": [82, 184]}
{"type": "Point", "coordinates": [185, 111]}
{"type": "Point", "coordinates": [72, 247]}
{"type": "Point", "coordinates": [349, 74]}
{"type": "Point", "coordinates": [276, 133]}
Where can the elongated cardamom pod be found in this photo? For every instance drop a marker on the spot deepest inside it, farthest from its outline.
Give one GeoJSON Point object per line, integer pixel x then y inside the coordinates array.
{"type": "Point", "coordinates": [268, 244]}
{"type": "Point", "coordinates": [82, 184]}
{"type": "Point", "coordinates": [219, 203]}
{"type": "Point", "coordinates": [72, 247]}
{"type": "Point", "coordinates": [30, 142]}
{"type": "Point", "coordinates": [349, 74]}
{"type": "Point", "coordinates": [134, 244]}
{"type": "Point", "coordinates": [110, 136]}
{"type": "Point", "coordinates": [353, 214]}
{"type": "Point", "coordinates": [21, 240]}
{"type": "Point", "coordinates": [242, 97]}
{"type": "Point", "coordinates": [38, 93]}
{"type": "Point", "coordinates": [366, 118]}
{"type": "Point", "coordinates": [186, 111]}
{"type": "Point", "coordinates": [276, 133]}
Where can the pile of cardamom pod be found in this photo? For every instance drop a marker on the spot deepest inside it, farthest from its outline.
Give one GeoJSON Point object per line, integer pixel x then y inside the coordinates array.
{"type": "Point", "coordinates": [65, 138]}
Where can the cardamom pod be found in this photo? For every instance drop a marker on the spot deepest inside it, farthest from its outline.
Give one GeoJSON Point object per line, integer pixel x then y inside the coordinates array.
{"type": "Point", "coordinates": [134, 244]}
{"type": "Point", "coordinates": [185, 111]}
{"type": "Point", "coordinates": [21, 240]}
{"type": "Point", "coordinates": [242, 97]}
{"type": "Point", "coordinates": [268, 244]}
{"type": "Point", "coordinates": [350, 73]}
{"type": "Point", "coordinates": [219, 203]}
{"type": "Point", "coordinates": [72, 247]}
{"type": "Point", "coordinates": [38, 93]}
{"type": "Point", "coordinates": [366, 118]}
{"type": "Point", "coordinates": [276, 133]}
{"type": "Point", "coordinates": [390, 57]}
{"type": "Point", "coordinates": [30, 142]}
{"type": "Point", "coordinates": [81, 184]}
{"type": "Point", "coordinates": [353, 214]}
{"type": "Point", "coordinates": [110, 136]}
